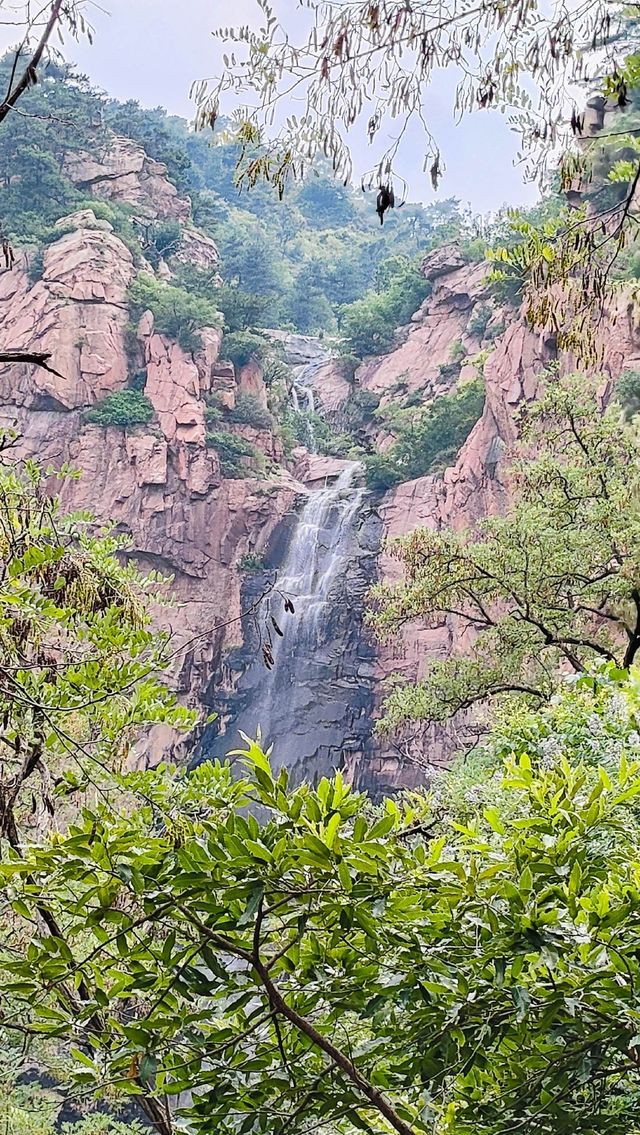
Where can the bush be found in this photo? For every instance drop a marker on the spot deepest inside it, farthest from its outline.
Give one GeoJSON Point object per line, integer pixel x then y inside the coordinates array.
{"type": "Point", "coordinates": [35, 266]}
{"type": "Point", "coordinates": [249, 411]}
{"type": "Point", "coordinates": [124, 408]}
{"type": "Point", "coordinates": [231, 450]}
{"type": "Point", "coordinates": [369, 324]}
{"type": "Point", "coordinates": [240, 347]}
{"type": "Point", "coordinates": [176, 312]}
{"type": "Point", "coordinates": [251, 561]}
{"type": "Point", "coordinates": [479, 321]}
{"type": "Point", "coordinates": [166, 236]}
{"type": "Point", "coordinates": [627, 392]}
{"type": "Point", "coordinates": [430, 439]}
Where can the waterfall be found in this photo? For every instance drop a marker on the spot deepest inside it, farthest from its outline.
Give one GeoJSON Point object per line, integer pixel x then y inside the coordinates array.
{"type": "Point", "coordinates": [303, 397]}
{"type": "Point", "coordinates": [313, 705]}
{"type": "Point", "coordinates": [316, 556]}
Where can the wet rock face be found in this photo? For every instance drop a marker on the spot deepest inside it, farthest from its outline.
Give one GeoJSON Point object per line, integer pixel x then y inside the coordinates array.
{"type": "Point", "coordinates": [315, 705]}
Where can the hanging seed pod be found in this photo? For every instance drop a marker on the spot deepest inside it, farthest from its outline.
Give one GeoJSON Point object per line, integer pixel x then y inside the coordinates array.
{"type": "Point", "coordinates": [276, 627]}
{"type": "Point", "coordinates": [288, 606]}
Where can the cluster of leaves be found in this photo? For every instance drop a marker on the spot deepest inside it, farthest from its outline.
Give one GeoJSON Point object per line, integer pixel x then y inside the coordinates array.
{"type": "Point", "coordinates": [369, 325]}
{"type": "Point", "coordinates": [628, 392]}
{"type": "Point", "coordinates": [251, 561]}
{"type": "Point", "coordinates": [249, 411]}
{"type": "Point", "coordinates": [553, 583]}
{"type": "Point", "coordinates": [427, 439]}
{"type": "Point", "coordinates": [241, 347]}
{"type": "Point", "coordinates": [176, 312]}
{"type": "Point", "coordinates": [233, 450]}
{"type": "Point", "coordinates": [123, 408]}
{"type": "Point", "coordinates": [311, 429]}
{"type": "Point", "coordinates": [430, 965]}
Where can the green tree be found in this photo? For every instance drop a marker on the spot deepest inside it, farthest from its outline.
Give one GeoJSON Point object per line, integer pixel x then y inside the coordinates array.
{"type": "Point", "coordinates": [553, 583]}
{"type": "Point", "coordinates": [370, 323]}
{"type": "Point", "coordinates": [426, 437]}
{"type": "Point", "coordinates": [457, 969]}
{"type": "Point", "coordinates": [123, 408]}
{"type": "Point", "coordinates": [176, 312]}
{"type": "Point", "coordinates": [78, 687]}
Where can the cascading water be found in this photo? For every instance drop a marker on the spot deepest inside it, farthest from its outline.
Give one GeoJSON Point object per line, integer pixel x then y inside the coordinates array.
{"type": "Point", "coordinates": [313, 705]}
{"type": "Point", "coordinates": [303, 397]}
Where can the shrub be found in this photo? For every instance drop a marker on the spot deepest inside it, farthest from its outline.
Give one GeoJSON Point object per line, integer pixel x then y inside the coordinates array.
{"type": "Point", "coordinates": [35, 266]}
{"type": "Point", "coordinates": [241, 346]}
{"type": "Point", "coordinates": [627, 391]}
{"type": "Point", "coordinates": [176, 312]}
{"type": "Point", "coordinates": [165, 237]}
{"type": "Point", "coordinates": [430, 439]}
{"type": "Point", "coordinates": [251, 561]}
{"type": "Point", "coordinates": [458, 351]}
{"type": "Point", "coordinates": [479, 321]}
{"type": "Point", "coordinates": [213, 413]}
{"type": "Point", "coordinates": [124, 408]}
{"type": "Point", "coordinates": [369, 324]}
{"type": "Point", "coordinates": [249, 411]}
{"type": "Point", "coordinates": [231, 450]}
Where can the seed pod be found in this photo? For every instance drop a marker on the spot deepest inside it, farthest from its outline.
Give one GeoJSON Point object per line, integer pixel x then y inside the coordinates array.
{"type": "Point", "coordinates": [276, 627]}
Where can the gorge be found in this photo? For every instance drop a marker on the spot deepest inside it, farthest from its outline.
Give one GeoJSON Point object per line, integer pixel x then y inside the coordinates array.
{"type": "Point", "coordinates": [220, 487]}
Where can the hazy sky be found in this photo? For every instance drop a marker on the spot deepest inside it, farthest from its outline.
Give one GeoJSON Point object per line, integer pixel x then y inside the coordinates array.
{"type": "Point", "coordinates": [152, 50]}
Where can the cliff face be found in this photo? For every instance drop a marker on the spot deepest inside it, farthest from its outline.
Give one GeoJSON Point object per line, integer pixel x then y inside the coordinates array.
{"type": "Point", "coordinates": [475, 486]}
{"type": "Point", "coordinates": [163, 485]}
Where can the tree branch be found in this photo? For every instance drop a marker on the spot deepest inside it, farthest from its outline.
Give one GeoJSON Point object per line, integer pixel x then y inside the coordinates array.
{"type": "Point", "coordinates": [28, 77]}
{"type": "Point", "coordinates": [34, 358]}
{"type": "Point", "coordinates": [278, 1003]}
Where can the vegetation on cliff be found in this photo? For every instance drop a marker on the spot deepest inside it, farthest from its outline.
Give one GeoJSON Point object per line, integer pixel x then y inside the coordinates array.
{"type": "Point", "coordinates": [551, 585]}
{"type": "Point", "coordinates": [427, 438]}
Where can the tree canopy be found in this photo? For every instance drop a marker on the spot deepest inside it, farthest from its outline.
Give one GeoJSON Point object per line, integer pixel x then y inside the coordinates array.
{"type": "Point", "coordinates": [435, 966]}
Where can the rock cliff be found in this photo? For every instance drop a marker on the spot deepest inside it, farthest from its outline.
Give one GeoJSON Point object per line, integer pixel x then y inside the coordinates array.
{"type": "Point", "coordinates": [162, 484]}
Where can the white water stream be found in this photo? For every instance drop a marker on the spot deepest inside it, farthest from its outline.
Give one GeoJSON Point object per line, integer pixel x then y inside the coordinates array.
{"type": "Point", "coordinates": [298, 704]}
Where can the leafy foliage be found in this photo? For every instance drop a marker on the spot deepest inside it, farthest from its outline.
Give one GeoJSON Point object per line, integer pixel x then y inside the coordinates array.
{"type": "Point", "coordinates": [123, 408]}
{"type": "Point", "coordinates": [232, 449]}
{"type": "Point", "coordinates": [369, 324]}
{"type": "Point", "coordinates": [249, 411]}
{"type": "Point", "coordinates": [175, 311]}
{"type": "Point", "coordinates": [553, 583]}
{"type": "Point", "coordinates": [240, 347]}
{"type": "Point", "coordinates": [423, 966]}
{"type": "Point", "coordinates": [628, 392]}
{"type": "Point", "coordinates": [427, 438]}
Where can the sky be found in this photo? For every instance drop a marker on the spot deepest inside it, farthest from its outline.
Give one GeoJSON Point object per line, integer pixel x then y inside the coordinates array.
{"type": "Point", "coordinates": [152, 50]}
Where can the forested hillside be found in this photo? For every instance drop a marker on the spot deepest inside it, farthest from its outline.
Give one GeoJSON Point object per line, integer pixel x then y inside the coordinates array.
{"type": "Point", "coordinates": [315, 263]}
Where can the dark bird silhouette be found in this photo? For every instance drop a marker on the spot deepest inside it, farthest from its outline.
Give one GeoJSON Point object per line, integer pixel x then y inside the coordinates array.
{"type": "Point", "coordinates": [385, 200]}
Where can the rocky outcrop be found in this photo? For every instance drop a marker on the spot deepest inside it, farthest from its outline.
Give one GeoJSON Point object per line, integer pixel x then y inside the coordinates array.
{"type": "Point", "coordinates": [475, 487]}
{"type": "Point", "coordinates": [160, 484]}
{"type": "Point", "coordinates": [125, 173]}
{"type": "Point", "coordinates": [77, 310]}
